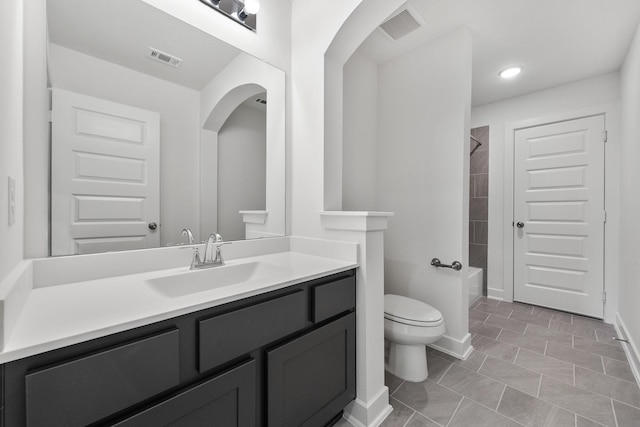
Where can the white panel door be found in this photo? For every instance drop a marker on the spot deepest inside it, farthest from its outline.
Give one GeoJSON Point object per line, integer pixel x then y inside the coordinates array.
{"type": "Point", "coordinates": [104, 175]}
{"type": "Point", "coordinates": [559, 216]}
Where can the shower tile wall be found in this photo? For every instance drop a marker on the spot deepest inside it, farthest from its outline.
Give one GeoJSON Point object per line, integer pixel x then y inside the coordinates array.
{"type": "Point", "coordinates": [479, 202]}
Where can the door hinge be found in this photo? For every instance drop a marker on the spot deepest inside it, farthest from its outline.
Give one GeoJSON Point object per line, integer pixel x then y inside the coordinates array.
{"type": "Point", "coordinates": [604, 297]}
{"type": "Point", "coordinates": [604, 216]}
{"type": "Point", "coordinates": [50, 116]}
{"type": "Point", "coordinates": [605, 136]}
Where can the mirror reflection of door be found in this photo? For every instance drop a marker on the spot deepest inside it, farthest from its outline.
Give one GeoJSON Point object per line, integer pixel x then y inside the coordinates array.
{"type": "Point", "coordinates": [104, 177]}
{"type": "Point", "coordinates": [242, 166]}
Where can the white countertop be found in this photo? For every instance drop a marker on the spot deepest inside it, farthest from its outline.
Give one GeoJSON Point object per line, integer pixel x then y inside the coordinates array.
{"type": "Point", "coordinates": [57, 316]}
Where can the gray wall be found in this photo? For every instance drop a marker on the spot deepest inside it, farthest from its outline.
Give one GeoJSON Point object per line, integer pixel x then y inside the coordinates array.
{"type": "Point", "coordinates": [479, 202]}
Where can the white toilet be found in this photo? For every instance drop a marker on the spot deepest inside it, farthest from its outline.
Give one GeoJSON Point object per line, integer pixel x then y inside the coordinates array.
{"type": "Point", "coordinates": [409, 325]}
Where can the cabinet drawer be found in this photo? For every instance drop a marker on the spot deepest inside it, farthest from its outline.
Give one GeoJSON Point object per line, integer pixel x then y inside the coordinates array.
{"type": "Point", "coordinates": [87, 389]}
{"type": "Point", "coordinates": [333, 298]}
{"type": "Point", "coordinates": [228, 399]}
{"type": "Point", "coordinates": [225, 337]}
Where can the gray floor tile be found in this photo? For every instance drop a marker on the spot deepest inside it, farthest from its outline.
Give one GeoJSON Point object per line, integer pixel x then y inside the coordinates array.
{"type": "Point", "coordinates": [549, 335]}
{"type": "Point", "coordinates": [419, 420]}
{"type": "Point", "coordinates": [588, 322]}
{"type": "Point", "coordinates": [533, 412]}
{"type": "Point", "coordinates": [503, 322]}
{"type": "Point", "coordinates": [583, 422]}
{"type": "Point", "coordinates": [399, 416]}
{"type": "Point", "coordinates": [473, 414]}
{"type": "Point", "coordinates": [344, 423]}
{"type": "Point", "coordinates": [548, 366]}
{"type": "Point", "coordinates": [618, 369]}
{"type": "Point", "coordinates": [437, 367]}
{"type": "Point", "coordinates": [392, 382]}
{"type": "Point", "coordinates": [623, 391]}
{"type": "Point", "coordinates": [474, 361]}
{"type": "Point", "coordinates": [480, 316]}
{"type": "Point", "coordinates": [551, 314]}
{"type": "Point", "coordinates": [477, 387]}
{"type": "Point", "coordinates": [580, 401]}
{"type": "Point", "coordinates": [430, 399]}
{"type": "Point", "coordinates": [493, 309]}
{"type": "Point", "coordinates": [577, 357]}
{"type": "Point", "coordinates": [484, 329]}
{"type": "Point", "coordinates": [601, 349]}
{"type": "Point", "coordinates": [530, 318]}
{"type": "Point", "coordinates": [512, 375]}
{"type": "Point", "coordinates": [626, 415]}
{"type": "Point", "coordinates": [607, 338]}
{"type": "Point", "coordinates": [516, 306]}
{"type": "Point", "coordinates": [489, 301]}
{"type": "Point", "coordinates": [578, 330]}
{"type": "Point", "coordinates": [517, 339]}
{"type": "Point", "coordinates": [495, 348]}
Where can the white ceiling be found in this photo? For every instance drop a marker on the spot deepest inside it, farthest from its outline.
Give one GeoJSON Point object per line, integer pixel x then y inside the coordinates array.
{"type": "Point", "coordinates": [122, 31]}
{"type": "Point", "coordinates": [555, 41]}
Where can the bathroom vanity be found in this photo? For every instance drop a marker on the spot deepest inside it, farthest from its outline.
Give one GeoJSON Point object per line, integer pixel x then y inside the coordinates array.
{"type": "Point", "coordinates": [284, 356]}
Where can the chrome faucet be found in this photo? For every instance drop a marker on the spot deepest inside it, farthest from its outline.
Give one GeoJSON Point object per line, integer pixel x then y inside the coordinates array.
{"type": "Point", "coordinates": [187, 232]}
{"type": "Point", "coordinates": [208, 260]}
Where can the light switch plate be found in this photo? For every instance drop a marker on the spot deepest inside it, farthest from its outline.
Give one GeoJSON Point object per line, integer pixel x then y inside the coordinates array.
{"type": "Point", "coordinates": [12, 201]}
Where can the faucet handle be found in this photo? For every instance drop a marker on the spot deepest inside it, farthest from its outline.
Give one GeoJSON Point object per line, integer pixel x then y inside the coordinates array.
{"type": "Point", "coordinates": [195, 261]}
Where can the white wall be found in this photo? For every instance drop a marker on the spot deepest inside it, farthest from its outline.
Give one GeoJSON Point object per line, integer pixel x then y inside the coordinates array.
{"type": "Point", "coordinates": [179, 127]}
{"type": "Point", "coordinates": [270, 42]}
{"type": "Point", "coordinates": [11, 132]}
{"type": "Point", "coordinates": [423, 164]}
{"type": "Point", "coordinates": [241, 170]}
{"type": "Point", "coordinates": [599, 94]}
{"type": "Point", "coordinates": [360, 134]}
{"type": "Point", "coordinates": [629, 194]}
{"type": "Point", "coordinates": [36, 131]}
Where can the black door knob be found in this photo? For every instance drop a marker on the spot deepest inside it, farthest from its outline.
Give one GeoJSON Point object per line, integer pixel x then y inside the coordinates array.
{"type": "Point", "coordinates": [153, 226]}
{"type": "Point", "coordinates": [520, 225]}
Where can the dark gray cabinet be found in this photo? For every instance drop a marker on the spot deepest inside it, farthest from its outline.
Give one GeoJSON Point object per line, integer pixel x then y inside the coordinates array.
{"type": "Point", "coordinates": [227, 399]}
{"type": "Point", "coordinates": [283, 358]}
{"type": "Point", "coordinates": [310, 378]}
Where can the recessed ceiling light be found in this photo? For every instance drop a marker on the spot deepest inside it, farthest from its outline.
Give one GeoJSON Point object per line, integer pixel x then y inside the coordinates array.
{"type": "Point", "coordinates": [510, 72]}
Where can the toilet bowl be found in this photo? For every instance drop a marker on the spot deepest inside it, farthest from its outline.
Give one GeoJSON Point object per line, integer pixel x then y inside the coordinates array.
{"type": "Point", "coordinates": [409, 325]}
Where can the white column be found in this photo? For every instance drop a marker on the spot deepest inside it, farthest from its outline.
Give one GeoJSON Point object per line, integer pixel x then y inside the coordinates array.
{"type": "Point", "coordinates": [371, 406]}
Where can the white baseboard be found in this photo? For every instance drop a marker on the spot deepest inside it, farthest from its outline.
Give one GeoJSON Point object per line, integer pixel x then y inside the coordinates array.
{"type": "Point", "coordinates": [493, 293]}
{"type": "Point", "coordinates": [369, 414]}
{"type": "Point", "coordinates": [630, 348]}
{"type": "Point", "coordinates": [460, 349]}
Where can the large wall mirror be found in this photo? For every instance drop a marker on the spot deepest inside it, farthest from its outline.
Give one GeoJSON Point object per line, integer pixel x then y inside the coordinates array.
{"type": "Point", "coordinates": [158, 127]}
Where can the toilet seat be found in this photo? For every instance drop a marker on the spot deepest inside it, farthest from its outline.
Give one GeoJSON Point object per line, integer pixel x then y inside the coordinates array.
{"type": "Point", "coordinates": [409, 311]}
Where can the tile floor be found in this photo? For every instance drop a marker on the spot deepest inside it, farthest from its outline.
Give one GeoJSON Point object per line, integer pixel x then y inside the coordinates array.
{"type": "Point", "coordinates": [530, 367]}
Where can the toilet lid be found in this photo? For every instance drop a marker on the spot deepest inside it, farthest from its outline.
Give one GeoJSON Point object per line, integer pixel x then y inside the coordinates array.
{"type": "Point", "coordinates": [410, 311]}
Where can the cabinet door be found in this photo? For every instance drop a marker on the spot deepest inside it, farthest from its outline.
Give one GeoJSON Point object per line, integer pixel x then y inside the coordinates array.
{"type": "Point", "coordinates": [312, 378]}
{"type": "Point", "coordinates": [226, 400]}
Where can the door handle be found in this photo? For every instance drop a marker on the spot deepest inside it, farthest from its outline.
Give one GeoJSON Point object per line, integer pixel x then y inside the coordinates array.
{"type": "Point", "coordinates": [153, 226]}
{"type": "Point", "coordinates": [520, 224]}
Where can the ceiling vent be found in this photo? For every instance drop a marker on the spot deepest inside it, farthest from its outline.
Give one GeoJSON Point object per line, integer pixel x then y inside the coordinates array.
{"type": "Point", "coordinates": [164, 57]}
{"type": "Point", "coordinates": [402, 23]}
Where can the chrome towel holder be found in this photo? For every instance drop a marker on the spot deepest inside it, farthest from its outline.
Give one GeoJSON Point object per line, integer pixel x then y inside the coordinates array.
{"type": "Point", "coordinates": [455, 265]}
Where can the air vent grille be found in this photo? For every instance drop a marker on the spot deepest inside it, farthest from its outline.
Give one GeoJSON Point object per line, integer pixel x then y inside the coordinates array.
{"type": "Point", "coordinates": [261, 101]}
{"type": "Point", "coordinates": [400, 25]}
{"type": "Point", "coordinates": [164, 57]}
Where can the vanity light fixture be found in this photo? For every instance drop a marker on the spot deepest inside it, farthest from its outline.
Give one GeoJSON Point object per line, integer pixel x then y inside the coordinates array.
{"type": "Point", "coordinates": [510, 72]}
{"type": "Point", "coordinates": [241, 11]}
{"type": "Point", "coordinates": [249, 7]}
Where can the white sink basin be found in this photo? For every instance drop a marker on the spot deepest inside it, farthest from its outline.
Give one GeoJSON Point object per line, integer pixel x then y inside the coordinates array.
{"type": "Point", "coordinates": [195, 281]}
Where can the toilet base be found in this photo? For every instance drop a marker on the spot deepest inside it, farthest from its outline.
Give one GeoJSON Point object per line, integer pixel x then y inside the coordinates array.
{"type": "Point", "coordinates": [408, 362]}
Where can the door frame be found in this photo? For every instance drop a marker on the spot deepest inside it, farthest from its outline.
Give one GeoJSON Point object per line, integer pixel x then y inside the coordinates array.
{"type": "Point", "coordinates": [611, 198]}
